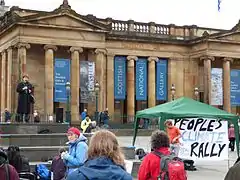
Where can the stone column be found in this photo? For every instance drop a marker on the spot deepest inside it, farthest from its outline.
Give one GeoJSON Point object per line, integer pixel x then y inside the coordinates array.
{"type": "Point", "coordinates": [110, 84]}
{"type": "Point", "coordinates": [227, 84]}
{"type": "Point", "coordinates": [22, 57]}
{"type": "Point", "coordinates": [101, 77]}
{"type": "Point", "coordinates": [207, 61]}
{"type": "Point", "coordinates": [75, 82]}
{"type": "Point", "coordinates": [3, 81]}
{"type": "Point", "coordinates": [49, 79]}
{"type": "Point", "coordinates": [9, 78]}
{"type": "Point", "coordinates": [152, 81]}
{"type": "Point", "coordinates": [131, 87]}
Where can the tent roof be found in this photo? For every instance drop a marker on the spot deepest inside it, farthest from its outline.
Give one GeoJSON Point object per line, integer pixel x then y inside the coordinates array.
{"type": "Point", "coordinates": [185, 107]}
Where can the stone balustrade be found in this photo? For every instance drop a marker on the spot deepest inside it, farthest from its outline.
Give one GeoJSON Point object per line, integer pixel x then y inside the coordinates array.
{"type": "Point", "coordinates": [151, 28]}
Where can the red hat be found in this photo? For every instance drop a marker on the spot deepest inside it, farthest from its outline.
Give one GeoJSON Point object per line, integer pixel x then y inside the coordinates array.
{"type": "Point", "coordinates": [74, 131]}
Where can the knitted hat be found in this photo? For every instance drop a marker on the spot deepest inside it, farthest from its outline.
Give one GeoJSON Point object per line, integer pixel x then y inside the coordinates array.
{"type": "Point", "coordinates": [74, 131]}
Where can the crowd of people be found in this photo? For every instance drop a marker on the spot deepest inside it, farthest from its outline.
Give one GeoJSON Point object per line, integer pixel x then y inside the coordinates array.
{"type": "Point", "coordinates": [101, 158]}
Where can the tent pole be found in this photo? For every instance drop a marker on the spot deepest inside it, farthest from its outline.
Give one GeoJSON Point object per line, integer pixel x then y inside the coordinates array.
{"type": "Point", "coordinates": [136, 125]}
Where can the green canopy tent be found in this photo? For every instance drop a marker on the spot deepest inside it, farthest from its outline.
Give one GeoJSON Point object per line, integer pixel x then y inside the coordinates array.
{"type": "Point", "coordinates": [185, 108]}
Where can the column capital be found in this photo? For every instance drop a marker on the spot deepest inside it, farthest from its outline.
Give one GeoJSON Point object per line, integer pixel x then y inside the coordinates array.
{"type": "Point", "coordinates": [101, 51]}
{"type": "Point", "coordinates": [10, 48]}
{"type": "Point", "coordinates": [228, 59]}
{"type": "Point", "coordinates": [134, 58]}
{"type": "Point", "coordinates": [73, 48]}
{"type": "Point", "coordinates": [23, 45]}
{"type": "Point", "coordinates": [49, 46]}
{"type": "Point", "coordinates": [110, 55]}
{"type": "Point", "coordinates": [152, 58]}
{"type": "Point", "coordinates": [205, 58]}
{"type": "Point", "coordinates": [3, 52]}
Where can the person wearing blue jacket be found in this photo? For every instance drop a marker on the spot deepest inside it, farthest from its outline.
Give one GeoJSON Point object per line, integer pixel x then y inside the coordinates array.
{"type": "Point", "coordinates": [105, 160]}
{"type": "Point", "coordinates": [78, 148]}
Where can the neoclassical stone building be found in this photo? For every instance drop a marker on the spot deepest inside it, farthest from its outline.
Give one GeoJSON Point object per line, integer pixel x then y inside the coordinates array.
{"type": "Point", "coordinates": [30, 41]}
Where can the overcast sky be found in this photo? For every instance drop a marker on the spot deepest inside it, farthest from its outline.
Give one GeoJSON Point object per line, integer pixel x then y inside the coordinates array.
{"type": "Point", "coordinates": [180, 12]}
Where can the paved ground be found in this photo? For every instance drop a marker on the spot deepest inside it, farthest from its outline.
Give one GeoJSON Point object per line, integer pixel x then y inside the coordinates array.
{"type": "Point", "coordinates": [207, 170]}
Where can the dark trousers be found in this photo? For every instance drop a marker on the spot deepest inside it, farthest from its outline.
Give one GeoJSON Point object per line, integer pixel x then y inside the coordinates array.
{"type": "Point", "coordinates": [232, 143]}
{"type": "Point", "coordinates": [22, 118]}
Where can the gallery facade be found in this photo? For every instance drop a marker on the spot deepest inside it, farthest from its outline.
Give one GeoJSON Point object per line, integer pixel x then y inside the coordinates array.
{"type": "Point", "coordinates": [136, 64]}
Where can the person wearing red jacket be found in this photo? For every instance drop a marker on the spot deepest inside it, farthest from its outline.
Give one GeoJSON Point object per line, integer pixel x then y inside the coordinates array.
{"type": "Point", "coordinates": [150, 166]}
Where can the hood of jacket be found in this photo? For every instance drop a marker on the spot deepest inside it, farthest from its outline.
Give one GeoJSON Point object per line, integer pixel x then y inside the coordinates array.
{"type": "Point", "coordinates": [81, 138]}
{"type": "Point", "coordinates": [103, 168]}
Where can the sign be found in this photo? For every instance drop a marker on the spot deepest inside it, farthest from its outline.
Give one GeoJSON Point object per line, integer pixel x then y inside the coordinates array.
{"type": "Point", "coordinates": [161, 80]}
{"type": "Point", "coordinates": [203, 138]}
{"type": "Point", "coordinates": [87, 81]}
{"type": "Point", "coordinates": [235, 87]}
{"type": "Point", "coordinates": [61, 76]}
{"type": "Point", "coordinates": [119, 77]}
{"type": "Point", "coordinates": [129, 166]}
{"type": "Point", "coordinates": [141, 79]}
{"type": "Point", "coordinates": [216, 86]}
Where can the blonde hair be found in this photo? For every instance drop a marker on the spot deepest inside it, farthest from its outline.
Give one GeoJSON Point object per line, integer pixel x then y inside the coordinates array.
{"type": "Point", "coordinates": [104, 143]}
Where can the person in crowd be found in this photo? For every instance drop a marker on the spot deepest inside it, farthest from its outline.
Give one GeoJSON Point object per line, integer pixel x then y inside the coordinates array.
{"type": "Point", "coordinates": [58, 167]}
{"type": "Point", "coordinates": [25, 99]}
{"type": "Point", "coordinates": [150, 166]}
{"type": "Point", "coordinates": [78, 148]}
{"type": "Point", "coordinates": [18, 161]}
{"type": "Point", "coordinates": [234, 172]}
{"type": "Point", "coordinates": [7, 116]}
{"type": "Point", "coordinates": [36, 116]}
{"type": "Point", "coordinates": [104, 118]}
{"type": "Point", "coordinates": [87, 125]}
{"type": "Point", "coordinates": [174, 135]}
{"type": "Point", "coordinates": [83, 114]}
{"type": "Point", "coordinates": [231, 137]}
{"type": "Point", "coordinates": [105, 160]}
{"type": "Point", "coordinates": [7, 171]}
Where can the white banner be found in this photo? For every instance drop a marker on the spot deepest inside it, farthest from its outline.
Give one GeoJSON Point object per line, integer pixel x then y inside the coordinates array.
{"type": "Point", "coordinates": [216, 86]}
{"type": "Point", "coordinates": [203, 139]}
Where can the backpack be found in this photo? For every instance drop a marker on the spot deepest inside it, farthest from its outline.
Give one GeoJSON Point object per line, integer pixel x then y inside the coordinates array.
{"type": "Point", "coordinates": [171, 167]}
{"type": "Point", "coordinates": [43, 172]}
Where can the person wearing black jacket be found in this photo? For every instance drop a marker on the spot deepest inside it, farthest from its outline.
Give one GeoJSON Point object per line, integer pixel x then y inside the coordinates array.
{"type": "Point", "coordinates": [25, 99]}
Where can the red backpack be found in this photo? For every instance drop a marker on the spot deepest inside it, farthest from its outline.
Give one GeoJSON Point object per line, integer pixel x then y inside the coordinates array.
{"type": "Point", "coordinates": [171, 167]}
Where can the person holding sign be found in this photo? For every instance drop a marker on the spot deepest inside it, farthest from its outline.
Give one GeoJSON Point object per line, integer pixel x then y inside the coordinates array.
{"type": "Point", "coordinates": [174, 135]}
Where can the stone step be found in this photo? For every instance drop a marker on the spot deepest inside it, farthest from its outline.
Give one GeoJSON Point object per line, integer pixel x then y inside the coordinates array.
{"type": "Point", "coordinates": [16, 128]}
{"type": "Point", "coordinates": [30, 128]}
{"type": "Point", "coordinates": [56, 139]}
{"type": "Point", "coordinates": [43, 153]}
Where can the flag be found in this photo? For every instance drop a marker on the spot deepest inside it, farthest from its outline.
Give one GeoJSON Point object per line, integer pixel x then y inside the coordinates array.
{"type": "Point", "coordinates": [219, 5]}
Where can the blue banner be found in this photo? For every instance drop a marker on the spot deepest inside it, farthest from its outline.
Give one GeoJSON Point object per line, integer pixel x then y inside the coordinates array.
{"type": "Point", "coordinates": [120, 77]}
{"type": "Point", "coordinates": [235, 87]}
{"type": "Point", "coordinates": [141, 79]}
{"type": "Point", "coordinates": [61, 76]}
{"type": "Point", "coordinates": [161, 80]}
